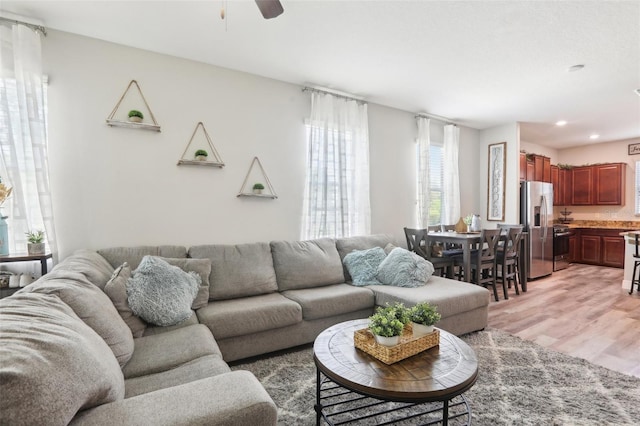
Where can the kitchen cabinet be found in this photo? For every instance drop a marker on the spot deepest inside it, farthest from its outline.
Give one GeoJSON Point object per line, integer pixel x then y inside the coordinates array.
{"type": "Point", "coordinates": [561, 178]}
{"type": "Point", "coordinates": [535, 167]}
{"type": "Point", "coordinates": [582, 186]}
{"type": "Point", "coordinates": [594, 246]}
{"type": "Point", "coordinates": [573, 248]}
{"type": "Point", "coordinates": [609, 184]}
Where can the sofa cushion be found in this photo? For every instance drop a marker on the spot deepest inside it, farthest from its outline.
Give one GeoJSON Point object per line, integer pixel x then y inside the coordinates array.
{"type": "Point", "coordinates": [116, 289]}
{"type": "Point", "coordinates": [403, 268]}
{"type": "Point", "coordinates": [52, 364]}
{"type": "Point", "coordinates": [116, 256]}
{"type": "Point", "coordinates": [328, 301]}
{"type": "Point", "coordinates": [349, 244]}
{"type": "Point", "coordinates": [156, 329]}
{"type": "Point", "coordinates": [363, 265]}
{"type": "Point", "coordinates": [238, 270]}
{"type": "Point", "coordinates": [163, 352]}
{"type": "Point", "coordinates": [450, 296]}
{"type": "Point", "coordinates": [160, 293]}
{"type": "Point", "coordinates": [247, 315]}
{"type": "Point", "coordinates": [200, 266]}
{"type": "Point", "coordinates": [303, 264]}
{"type": "Point", "coordinates": [89, 263]}
{"type": "Point", "coordinates": [93, 307]}
{"type": "Point", "coordinates": [199, 368]}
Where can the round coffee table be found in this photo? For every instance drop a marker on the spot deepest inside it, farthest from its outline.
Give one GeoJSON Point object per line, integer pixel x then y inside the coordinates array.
{"type": "Point", "coordinates": [351, 384]}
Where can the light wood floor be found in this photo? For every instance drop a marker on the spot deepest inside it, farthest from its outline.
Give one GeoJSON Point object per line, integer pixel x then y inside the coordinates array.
{"type": "Point", "coordinates": [582, 311]}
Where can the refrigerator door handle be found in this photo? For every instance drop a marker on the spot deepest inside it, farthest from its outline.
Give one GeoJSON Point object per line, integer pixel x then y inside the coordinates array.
{"type": "Point", "coordinates": [545, 222]}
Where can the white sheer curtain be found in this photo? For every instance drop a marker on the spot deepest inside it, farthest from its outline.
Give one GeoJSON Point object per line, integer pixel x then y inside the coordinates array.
{"type": "Point", "coordinates": [23, 136]}
{"type": "Point", "coordinates": [336, 199]}
{"type": "Point", "coordinates": [451, 178]}
{"type": "Point", "coordinates": [424, 147]}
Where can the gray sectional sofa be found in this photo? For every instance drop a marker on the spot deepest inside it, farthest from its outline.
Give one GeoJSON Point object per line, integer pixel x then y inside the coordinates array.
{"type": "Point", "coordinates": [262, 297]}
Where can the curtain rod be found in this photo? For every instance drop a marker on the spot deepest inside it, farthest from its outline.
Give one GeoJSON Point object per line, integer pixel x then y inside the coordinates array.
{"type": "Point", "coordinates": [337, 95]}
{"type": "Point", "coordinates": [435, 117]}
{"type": "Point", "coordinates": [34, 27]}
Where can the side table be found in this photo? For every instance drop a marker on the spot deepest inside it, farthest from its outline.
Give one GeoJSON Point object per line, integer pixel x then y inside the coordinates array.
{"type": "Point", "coordinates": [24, 257]}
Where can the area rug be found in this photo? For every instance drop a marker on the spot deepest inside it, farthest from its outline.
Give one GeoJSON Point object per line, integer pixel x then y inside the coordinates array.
{"type": "Point", "coordinates": [519, 383]}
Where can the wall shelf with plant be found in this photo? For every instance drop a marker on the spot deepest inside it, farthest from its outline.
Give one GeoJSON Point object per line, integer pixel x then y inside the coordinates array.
{"type": "Point", "coordinates": [135, 118]}
{"type": "Point", "coordinates": [257, 188]}
{"type": "Point", "coordinates": [200, 156]}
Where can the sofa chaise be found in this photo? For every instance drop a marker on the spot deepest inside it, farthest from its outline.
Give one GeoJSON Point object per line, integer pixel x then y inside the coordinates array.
{"type": "Point", "coordinates": [72, 353]}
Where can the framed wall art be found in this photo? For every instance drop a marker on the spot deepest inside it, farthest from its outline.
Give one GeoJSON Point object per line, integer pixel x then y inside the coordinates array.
{"type": "Point", "coordinates": [495, 194]}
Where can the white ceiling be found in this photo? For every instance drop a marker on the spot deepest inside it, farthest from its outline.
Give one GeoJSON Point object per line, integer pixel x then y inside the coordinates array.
{"type": "Point", "coordinates": [479, 63]}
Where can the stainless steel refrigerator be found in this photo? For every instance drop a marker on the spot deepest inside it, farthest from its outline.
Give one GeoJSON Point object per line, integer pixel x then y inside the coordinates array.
{"type": "Point", "coordinates": [536, 214]}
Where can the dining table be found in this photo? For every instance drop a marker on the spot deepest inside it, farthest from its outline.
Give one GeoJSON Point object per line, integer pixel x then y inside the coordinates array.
{"type": "Point", "coordinates": [468, 241]}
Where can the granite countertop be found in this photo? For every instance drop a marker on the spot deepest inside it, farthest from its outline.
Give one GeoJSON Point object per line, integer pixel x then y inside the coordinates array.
{"type": "Point", "coordinates": [605, 224]}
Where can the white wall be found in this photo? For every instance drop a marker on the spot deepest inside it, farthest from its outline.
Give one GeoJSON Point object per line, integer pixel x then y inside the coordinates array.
{"type": "Point", "coordinates": [607, 152]}
{"type": "Point", "coordinates": [117, 186]}
{"type": "Point", "coordinates": [509, 133]}
{"type": "Point", "coordinates": [532, 148]}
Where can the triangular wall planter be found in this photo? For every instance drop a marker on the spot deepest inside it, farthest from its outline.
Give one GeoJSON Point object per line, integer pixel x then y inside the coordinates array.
{"type": "Point", "coordinates": [117, 122]}
{"type": "Point", "coordinates": [247, 190]}
{"type": "Point", "coordinates": [189, 158]}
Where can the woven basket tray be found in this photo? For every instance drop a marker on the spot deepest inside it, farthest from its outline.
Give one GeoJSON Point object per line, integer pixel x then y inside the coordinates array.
{"type": "Point", "coordinates": [408, 346]}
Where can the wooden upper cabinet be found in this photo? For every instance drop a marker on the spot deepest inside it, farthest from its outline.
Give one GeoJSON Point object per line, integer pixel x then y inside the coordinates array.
{"type": "Point", "coordinates": [523, 166]}
{"type": "Point", "coordinates": [557, 186]}
{"type": "Point", "coordinates": [582, 186]}
{"type": "Point", "coordinates": [566, 180]}
{"type": "Point", "coordinates": [538, 167]}
{"type": "Point", "coordinates": [609, 183]}
{"type": "Point", "coordinates": [531, 171]}
{"type": "Point", "coordinates": [546, 169]}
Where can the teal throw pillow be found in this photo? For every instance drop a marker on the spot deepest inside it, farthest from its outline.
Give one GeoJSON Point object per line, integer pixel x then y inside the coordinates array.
{"type": "Point", "coordinates": [402, 268]}
{"type": "Point", "coordinates": [363, 265]}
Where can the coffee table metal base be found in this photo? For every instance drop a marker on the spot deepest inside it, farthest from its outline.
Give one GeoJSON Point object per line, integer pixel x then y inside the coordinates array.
{"type": "Point", "coordinates": [338, 405]}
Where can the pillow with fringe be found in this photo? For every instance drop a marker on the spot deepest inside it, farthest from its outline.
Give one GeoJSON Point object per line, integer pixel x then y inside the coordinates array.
{"type": "Point", "coordinates": [160, 293]}
{"type": "Point", "coordinates": [363, 265]}
{"type": "Point", "coordinates": [402, 268]}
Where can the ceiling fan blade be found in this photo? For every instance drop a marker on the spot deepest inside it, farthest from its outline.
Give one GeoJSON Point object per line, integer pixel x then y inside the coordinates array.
{"type": "Point", "coordinates": [270, 8]}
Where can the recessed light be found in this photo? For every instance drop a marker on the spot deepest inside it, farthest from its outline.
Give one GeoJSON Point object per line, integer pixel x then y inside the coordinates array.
{"type": "Point", "coordinates": [561, 123]}
{"type": "Point", "coordinates": [594, 136]}
{"type": "Point", "coordinates": [577, 67]}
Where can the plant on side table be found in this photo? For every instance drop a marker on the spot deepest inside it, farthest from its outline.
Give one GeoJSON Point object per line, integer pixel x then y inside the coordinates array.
{"type": "Point", "coordinates": [36, 242]}
{"type": "Point", "coordinates": [423, 316]}
{"type": "Point", "coordinates": [387, 324]}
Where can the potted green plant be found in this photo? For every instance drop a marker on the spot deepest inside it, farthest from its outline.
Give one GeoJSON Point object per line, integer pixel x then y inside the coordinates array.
{"type": "Point", "coordinates": [36, 242]}
{"type": "Point", "coordinates": [386, 327]}
{"type": "Point", "coordinates": [423, 316]}
{"type": "Point", "coordinates": [135, 116]}
{"type": "Point", "coordinates": [257, 188]}
{"type": "Point", "coordinates": [201, 155]}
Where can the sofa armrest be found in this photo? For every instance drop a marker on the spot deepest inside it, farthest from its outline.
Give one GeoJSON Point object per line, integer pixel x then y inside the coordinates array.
{"type": "Point", "coordinates": [229, 399]}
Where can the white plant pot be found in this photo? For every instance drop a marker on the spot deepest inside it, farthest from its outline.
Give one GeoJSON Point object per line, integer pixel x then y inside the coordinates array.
{"type": "Point", "coordinates": [421, 329]}
{"type": "Point", "coordinates": [257, 191]}
{"type": "Point", "coordinates": [135, 119]}
{"type": "Point", "coordinates": [387, 341]}
{"type": "Point", "coordinates": [201, 157]}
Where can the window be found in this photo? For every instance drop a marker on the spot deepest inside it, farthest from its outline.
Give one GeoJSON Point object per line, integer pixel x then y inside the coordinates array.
{"type": "Point", "coordinates": [435, 184]}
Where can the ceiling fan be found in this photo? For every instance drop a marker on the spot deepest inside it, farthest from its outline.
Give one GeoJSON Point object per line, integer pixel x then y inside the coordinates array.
{"type": "Point", "coordinates": [270, 8]}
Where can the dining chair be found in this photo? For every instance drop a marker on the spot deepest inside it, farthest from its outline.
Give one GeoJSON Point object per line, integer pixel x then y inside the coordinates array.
{"type": "Point", "coordinates": [419, 242]}
{"type": "Point", "coordinates": [507, 260]}
{"type": "Point", "coordinates": [483, 260]}
{"type": "Point", "coordinates": [504, 228]}
{"type": "Point", "coordinates": [451, 249]}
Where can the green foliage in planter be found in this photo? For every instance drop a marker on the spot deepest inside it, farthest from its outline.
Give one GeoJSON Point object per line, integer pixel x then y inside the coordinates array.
{"type": "Point", "coordinates": [384, 323]}
{"type": "Point", "coordinates": [35, 237]}
{"type": "Point", "coordinates": [135, 113]}
{"type": "Point", "coordinates": [258, 186]}
{"type": "Point", "coordinates": [201, 152]}
{"type": "Point", "coordinates": [401, 313]}
{"type": "Point", "coordinates": [424, 313]}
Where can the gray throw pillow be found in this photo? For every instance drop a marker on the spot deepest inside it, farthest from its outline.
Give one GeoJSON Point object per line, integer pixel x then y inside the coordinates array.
{"type": "Point", "coordinates": [363, 265]}
{"type": "Point", "coordinates": [203, 268]}
{"type": "Point", "coordinates": [160, 293]}
{"type": "Point", "coordinates": [403, 268]}
{"type": "Point", "coordinates": [116, 289]}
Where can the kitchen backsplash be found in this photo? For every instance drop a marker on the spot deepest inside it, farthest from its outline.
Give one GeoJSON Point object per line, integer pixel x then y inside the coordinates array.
{"type": "Point", "coordinates": [613, 224]}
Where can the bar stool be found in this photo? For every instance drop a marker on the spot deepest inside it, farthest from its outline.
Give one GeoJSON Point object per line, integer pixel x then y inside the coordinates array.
{"type": "Point", "coordinates": [636, 280]}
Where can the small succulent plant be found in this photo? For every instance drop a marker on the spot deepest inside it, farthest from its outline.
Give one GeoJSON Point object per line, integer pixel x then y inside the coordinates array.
{"type": "Point", "coordinates": [136, 113]}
